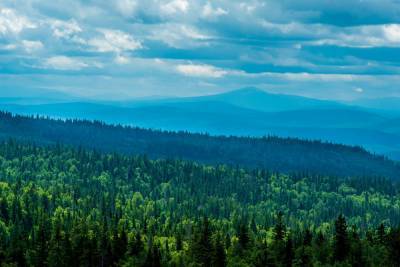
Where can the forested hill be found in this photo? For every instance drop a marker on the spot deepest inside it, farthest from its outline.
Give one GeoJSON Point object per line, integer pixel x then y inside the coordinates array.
{"type": "Point", "coordinates": [70, 207]}
{"type": "Point", "coordinates": [273, 153]}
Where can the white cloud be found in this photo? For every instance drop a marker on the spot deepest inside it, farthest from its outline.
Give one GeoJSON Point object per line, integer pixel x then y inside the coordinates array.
{"type": "Point", "coordinates": [175, 6]}
{"type": "Point", "coordinates": [126, 7]}
{"type": "Point", "coordinates": [358, 90]}
{"type": "Point", "coordinates": [302, 76]}
{"type": "Point", "coordinates": [362, 36]}
{"type": "Point", "coordinates": [210, 12]}
{"type": "Point", "coordinates": [68, 30]}
{"type": "Point", "coordinates": [201, 71]}
{"type": "Point", "coordinates": [249, 8]}
{"type": "Point", "coordinates": [305, 76]}
{"type": "Point", "coordinates": [12, 23]}
{"type": "Point", "coordinates": [8, 47]}
{"type": "Point", "coordinates": [65, 29]}
{"type": "Point", "coordinates": [114, 41]}
{"type": "Point", "coordinates": [295, 29]}
{"type": "Point", "coordinates": [179, 35]}
{"type": "Point", "coordinates": [65, 63]}
{"type": "Point", "coordinates": [119, 59]}
{"type": "Point", "coordinates": [31, 46]}
{"type": "Point", "coordinates": [392, 32]}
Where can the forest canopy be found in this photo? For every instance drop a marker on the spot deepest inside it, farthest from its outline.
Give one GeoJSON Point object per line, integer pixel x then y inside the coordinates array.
{"type": "Point", "coordinates": [273, 153]}
{"type": "Point", "coordinates": [61, 206]}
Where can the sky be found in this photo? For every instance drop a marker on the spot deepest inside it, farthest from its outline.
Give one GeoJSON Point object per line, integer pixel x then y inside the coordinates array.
{"type": "Point", "coordinates": [121, 49]}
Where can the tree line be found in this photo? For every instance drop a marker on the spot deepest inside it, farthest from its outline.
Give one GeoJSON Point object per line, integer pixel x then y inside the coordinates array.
{"type": "Point", "coordinates": [269, 152]}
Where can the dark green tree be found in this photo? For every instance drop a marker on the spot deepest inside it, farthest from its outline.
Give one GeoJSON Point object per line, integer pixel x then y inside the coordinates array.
{"type": "Point", "coordinates": [288, 255]}
{"type": "Point", "coordinates": [280, 228]}
{"type": "Point", "coordinates": [218, 253]}
{"type": "Point", "coordinates": [341, 241]}
{"type": "Point", "coordinates": [201, 246]}
{"type": "Point", "coordinates": [243, 236]}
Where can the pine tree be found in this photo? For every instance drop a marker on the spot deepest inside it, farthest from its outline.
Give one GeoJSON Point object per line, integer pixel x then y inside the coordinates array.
{"type": "Point", "coordinates": [263, 257]}
{"type": "Point", "coordinates": [243, 235]}
{"type": "Point", "coordinates": [135, 246]}
{"type": "Point", "coordinates": [381, 234]}
{"type": "Point", "coordinates": [289, 253]}
{"type": "Point", "coordinates": [201, 244]}
{"type": "Point", "coordinates": [119, 246]}
{"type": "Point", "coordinates": [356, 251]}
{"type": "Point", "coordinates": [394, 246]}
{"type": "Point", "coordinates": [153, 258]}
{"type": "Point", "coordinates": [307, 239]}
{"type": "Point", "coordinates": [341, 242]}
{"type": "Point", "coordinates": [179, 242]}
{"type": "Point", "coordinates": [280, 228]}
{"type": "Point", "coordinates": [228, 241]}
{"type": "Point", "coordinates": [218, 255]}
{"type": "Point", "coordinates": [41, 240]}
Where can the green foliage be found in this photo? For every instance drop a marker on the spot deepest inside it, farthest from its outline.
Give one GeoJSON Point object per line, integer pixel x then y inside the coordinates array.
{"type": "Point", "coordinates": [269, 152]}
{"type": "Point", "coordinates": [341, 246]}
{"type": "Point", "coordinates": [71, 207]}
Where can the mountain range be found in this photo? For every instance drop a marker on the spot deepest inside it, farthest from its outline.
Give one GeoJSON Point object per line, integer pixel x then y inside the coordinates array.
{"type": "Point", "coordinates": [245, 112]}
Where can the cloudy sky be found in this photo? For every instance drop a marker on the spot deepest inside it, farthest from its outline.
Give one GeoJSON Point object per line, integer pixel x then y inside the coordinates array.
{"type": "Point", "coordinates": [331, 49]}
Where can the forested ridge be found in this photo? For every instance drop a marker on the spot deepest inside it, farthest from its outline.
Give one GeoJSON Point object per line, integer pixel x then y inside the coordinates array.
{"type": "Point", "coordinates": [273, 153]}
{"type": "Point", "coordinates": [63, 206]}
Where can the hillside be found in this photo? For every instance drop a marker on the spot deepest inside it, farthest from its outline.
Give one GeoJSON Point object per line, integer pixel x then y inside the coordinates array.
{"type": "Point", "coordinates": [72, 207]}
{"type": "Point", "coordinates": [245, 112]}
{"type": "Point", "coordinates": [278, 154]}
{"type": "Point", "coordinates": [391, 126]}
{"type": "Point", "coordinates": [389, 104]}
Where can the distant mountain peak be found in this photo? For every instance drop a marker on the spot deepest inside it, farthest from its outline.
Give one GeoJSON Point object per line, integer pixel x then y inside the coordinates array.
{"type": "Point", "coordinates": [248, 90]}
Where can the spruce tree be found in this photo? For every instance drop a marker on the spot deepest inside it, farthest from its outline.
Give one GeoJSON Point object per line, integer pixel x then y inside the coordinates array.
{"type": "Point", "coordinates": [280, 228]}
{"type": "Point", "coordinates": [218, 255]}
{"type": "Point", "coordinates": [243, 236]}
{"type": "Point", "coordinates": [381, 234]}
{"type": "Point", "coordinates": [341, 240]}
{"type": "Point", "coordinates": [201, 246]}
{"type": "Point", "coordinates": [289, 253]}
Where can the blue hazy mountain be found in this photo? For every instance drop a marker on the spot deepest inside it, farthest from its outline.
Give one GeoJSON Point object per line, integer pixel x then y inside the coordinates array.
{"type": "Point", "coordinates": [253, 98]}
{"type": "Point", "coordinates": [391, 126]}
{"type": "Point", "coordinates": [245, 112]}
{"type": "Point", "coordinates": [389, 104]}
{"type": "Point", "coordinates": [204, 114]}
{"type": "Point", "coordinates": [32, 93]}
{"type": "Point", "coordinates": [249, 98]}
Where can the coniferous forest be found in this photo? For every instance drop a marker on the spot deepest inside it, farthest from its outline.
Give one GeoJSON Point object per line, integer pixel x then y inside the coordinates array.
{"type": "Point", "coordinates": [64, 206]}
{"type": "Point", "coordinates": [273, 153]}
{"type": "Point", "coordinates": [199, 133]}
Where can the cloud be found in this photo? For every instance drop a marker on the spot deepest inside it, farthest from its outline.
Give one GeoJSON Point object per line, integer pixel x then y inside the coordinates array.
{"type": "Point", "coordinates": [114, 41]}
{"type": "Point", "coordinates": [206, 71]}
{"type": "Point", "coordinates": [8, 47]}
{"type": "Point", "coordinates": [210, 12]}
{"type": "Point", "coordinates": [248, 7]}
{"type": "Point", "coordinates": [341, 12]}
{"type": "Point", "coordinates": [175, 6]}
{"type": "Point", "coordinates": [126, 7]}
{"type": "Point", "coordinates": [121, 60]}
{"type": "Point", "coordinates": [65, 29]}
{"type": "Point", "coordinates": [161, 45]}
{"type": "Point", "coordinates": [392, 32]}
{"type": "Point", "coordinates": [387, 35]}
{"type": "Point", "coordinates": [64, 63]}
{"type": "Point", "coordinates": [31, 46]}
{"type": "Point", "coordinates": [13, 23]}
{"type": "Point", "coordinates": [358, 90]}
{"type": "Point", "coordinates": [179, 35]}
